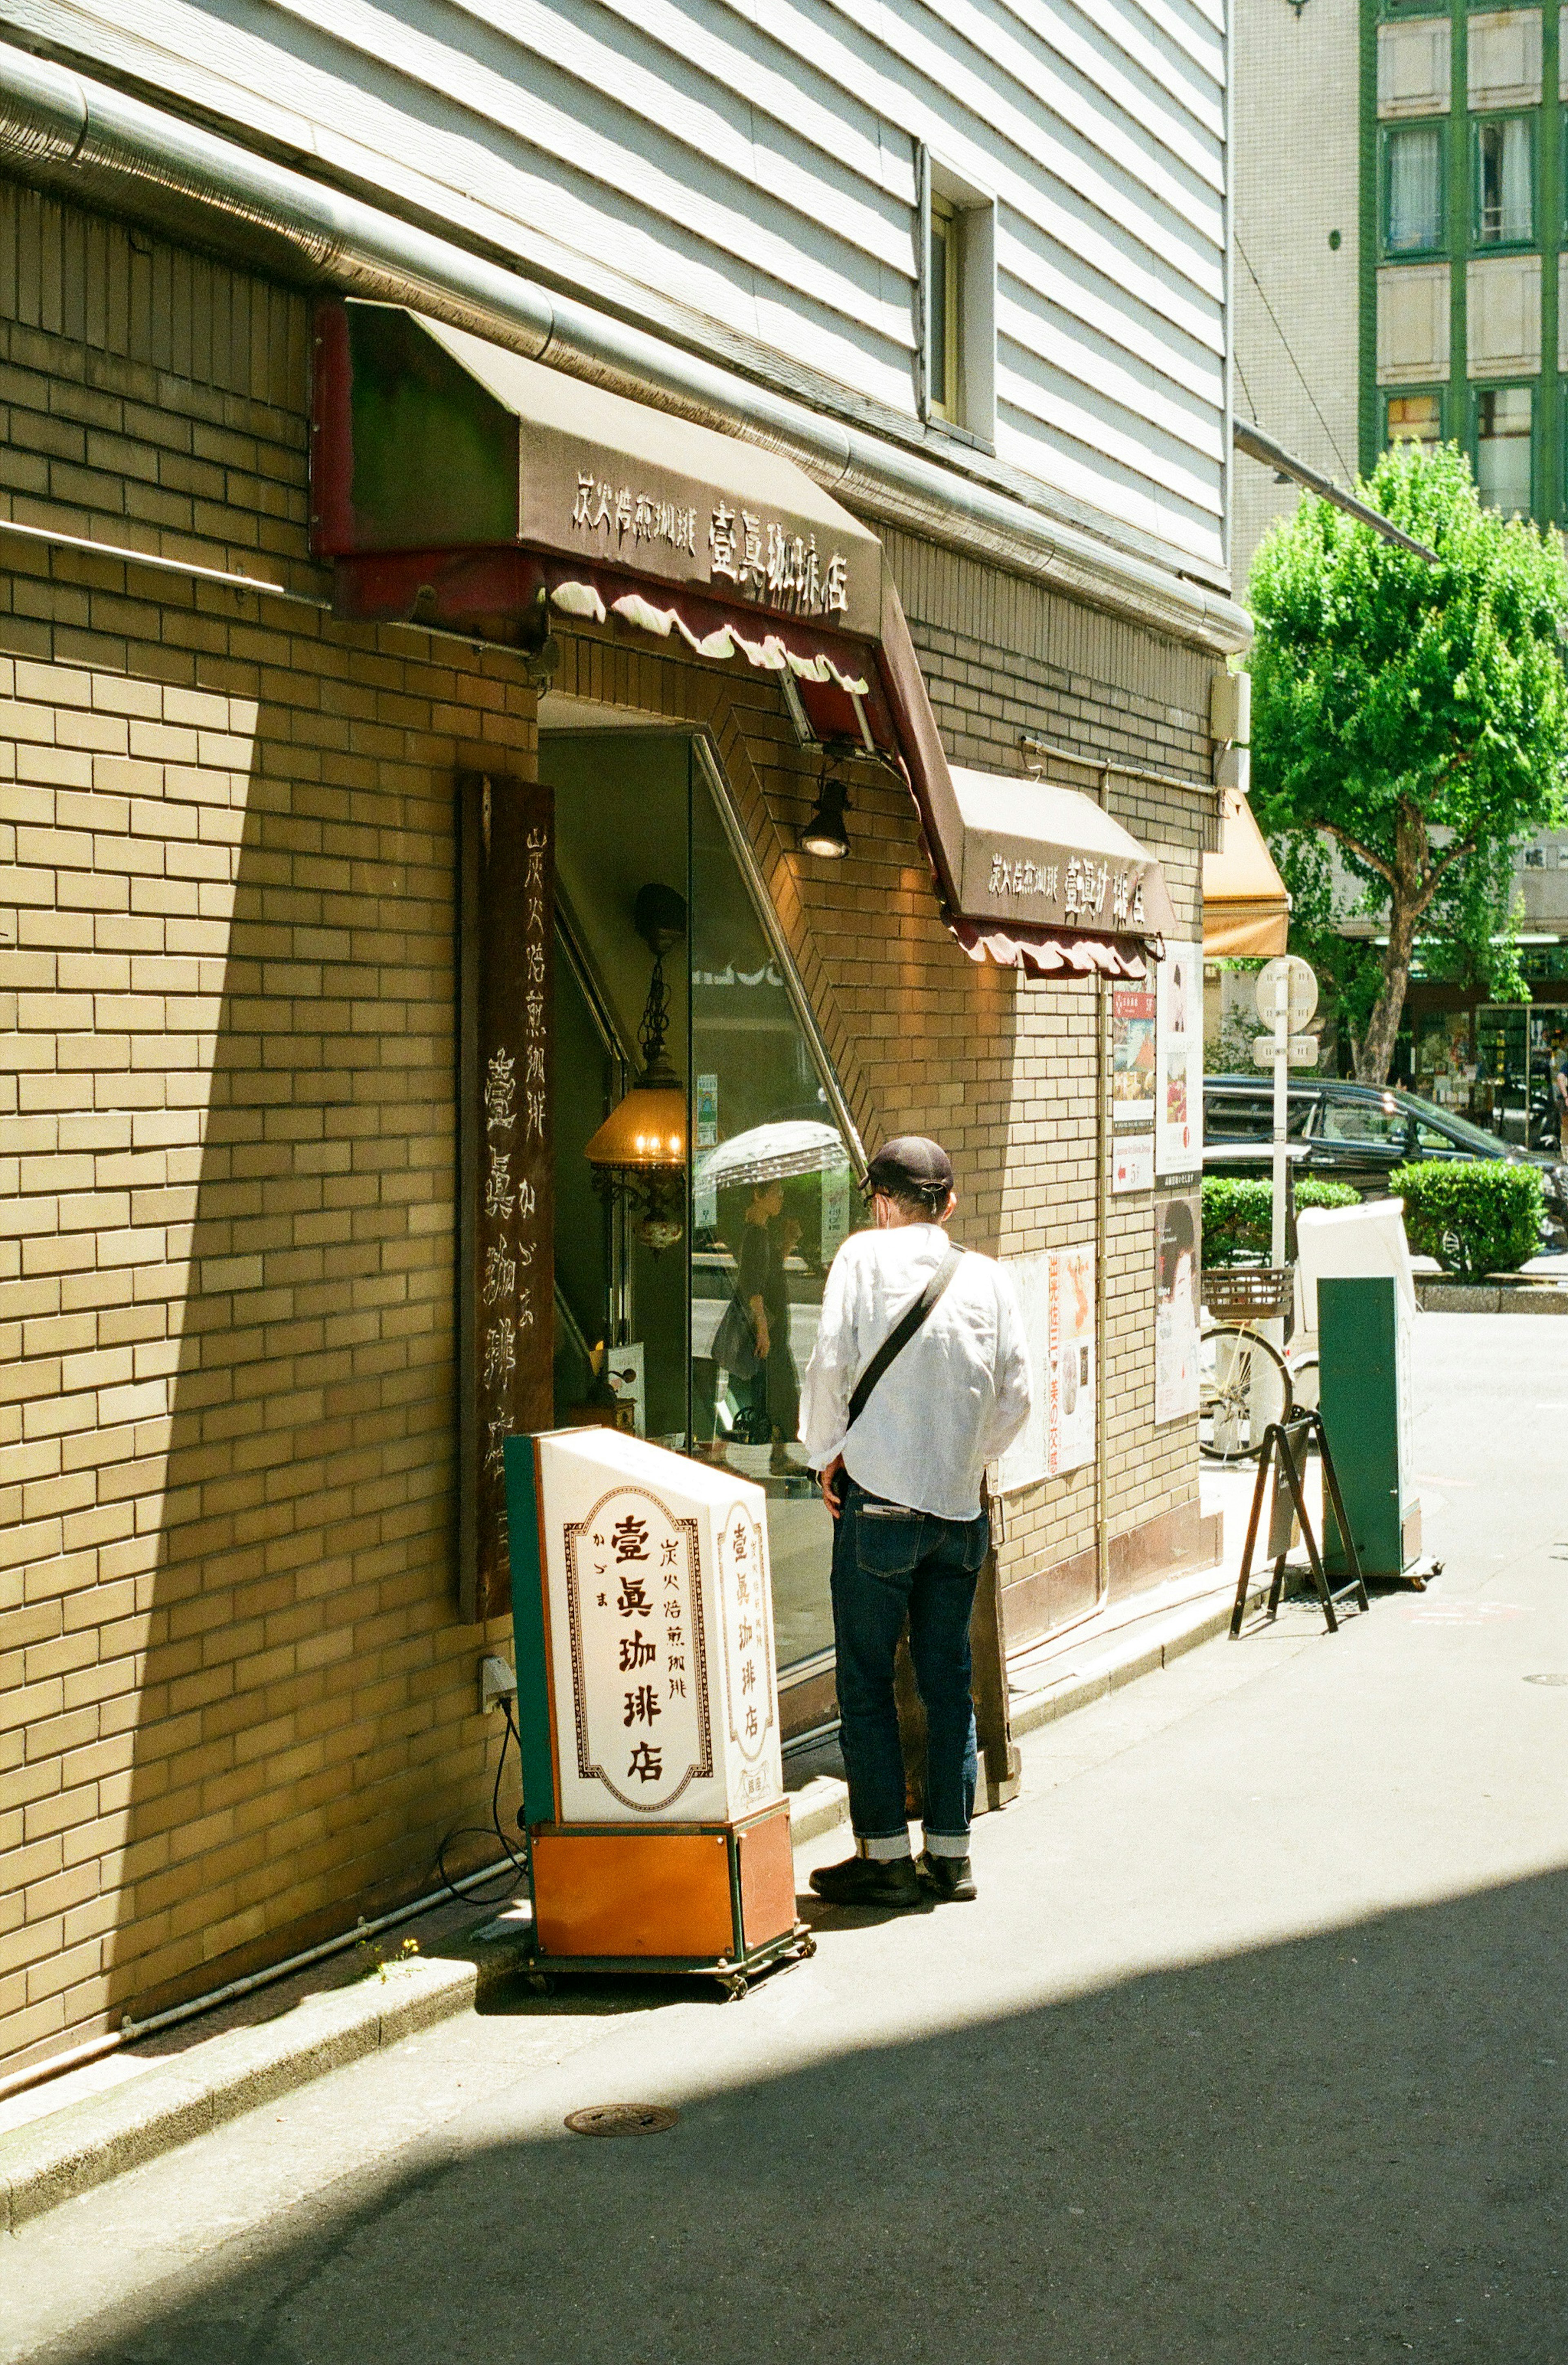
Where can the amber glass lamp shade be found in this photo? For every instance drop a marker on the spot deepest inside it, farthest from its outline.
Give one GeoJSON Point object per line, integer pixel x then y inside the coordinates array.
{"type": "Point", "coordinates": [644, 1130]}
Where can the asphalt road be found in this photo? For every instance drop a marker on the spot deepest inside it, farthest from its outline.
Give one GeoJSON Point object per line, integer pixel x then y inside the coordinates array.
{"type": "Point", "coordinates": [1252, 2051]}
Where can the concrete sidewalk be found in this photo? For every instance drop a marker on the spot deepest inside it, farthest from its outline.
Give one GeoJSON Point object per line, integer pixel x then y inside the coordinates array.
{"type": "Point", "coordinates": [62, 2137]}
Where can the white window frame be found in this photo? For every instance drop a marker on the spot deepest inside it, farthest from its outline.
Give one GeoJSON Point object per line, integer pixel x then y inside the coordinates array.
{"type": "Point", "coordinates": [969, 213]}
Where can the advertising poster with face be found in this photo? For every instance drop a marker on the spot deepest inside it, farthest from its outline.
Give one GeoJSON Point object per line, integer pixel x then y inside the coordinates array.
{"type": "Point", "coordinates": [1176, 1290]}
{"type": "Point", "coordinates": [1056, 1290]}
{"type": "Point", "coordinates": [1178, 1065]}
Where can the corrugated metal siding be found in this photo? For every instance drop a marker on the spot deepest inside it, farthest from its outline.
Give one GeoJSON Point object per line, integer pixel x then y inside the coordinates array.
{"type": "Point", "coordinates": [752, 160]}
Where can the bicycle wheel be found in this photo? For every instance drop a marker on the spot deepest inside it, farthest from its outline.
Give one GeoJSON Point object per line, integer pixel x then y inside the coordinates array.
{"type": "Point", "coordinates": [1303, 1382]}
{"type": "Point", "coordinates": [1242, 1386]}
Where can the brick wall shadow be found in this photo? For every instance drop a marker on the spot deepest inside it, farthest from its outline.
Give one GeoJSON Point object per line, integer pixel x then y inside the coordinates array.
{"type": "Point", "coordinates": [307, 1724]}
{"type": "Point", "coordinates": [247, 1709]}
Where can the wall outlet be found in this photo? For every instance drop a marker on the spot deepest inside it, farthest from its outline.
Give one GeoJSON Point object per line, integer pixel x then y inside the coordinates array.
{"type": "Point", "coordinates": [497, 1683]}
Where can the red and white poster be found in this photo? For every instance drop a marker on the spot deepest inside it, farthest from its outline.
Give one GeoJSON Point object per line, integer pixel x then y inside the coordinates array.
{"type": "Point", "coordinates": [1178, 1061]}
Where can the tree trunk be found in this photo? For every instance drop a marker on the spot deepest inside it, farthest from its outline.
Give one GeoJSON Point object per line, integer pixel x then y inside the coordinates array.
{"type": "Point", "coordinates": [1376, 1050]}
{"type": "Point", "coordinates": [1409, 898]}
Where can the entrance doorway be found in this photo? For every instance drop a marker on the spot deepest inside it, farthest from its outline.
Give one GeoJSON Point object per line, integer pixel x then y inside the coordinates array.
{"type": "Point", "coordinates": [697, 1343]}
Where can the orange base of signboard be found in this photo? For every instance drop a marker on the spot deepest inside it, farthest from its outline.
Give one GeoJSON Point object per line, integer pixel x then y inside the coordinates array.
{"type": "Point", "coordinates": [703, 1894]}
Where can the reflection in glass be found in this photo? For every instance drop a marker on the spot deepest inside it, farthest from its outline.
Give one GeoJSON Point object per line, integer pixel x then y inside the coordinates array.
{"type": "Point", "coordinates": [1503, 449]}
{"type": "Point", "coordinates": [1415, 418]}
{"type": "Point", "coordinates": [699, 1345]}
{"type": "Point", "coordinates": [1414, 164]}
{"type": "Point", "coordinates": [773, 1194]}
{"type": "Point", "coordinates": [1503, 213]}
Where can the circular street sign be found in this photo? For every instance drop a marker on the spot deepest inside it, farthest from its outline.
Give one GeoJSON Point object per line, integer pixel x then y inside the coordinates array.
{"type": "Point", "coordinates": [1303, 989]}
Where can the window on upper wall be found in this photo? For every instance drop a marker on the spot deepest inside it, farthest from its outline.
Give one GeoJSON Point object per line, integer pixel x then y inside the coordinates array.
{"type": "Point", "coordinates": [1503, 448]}
{"type": "Point", "coordinates": [1413, 418]}
{"type": "Point", "coordinates": [1412, 189]}
{"type": "Point", "coordinates": [1505, 181]}
{"type": "Point", "coordinates": [957, 341]}
{"type": "Point", "coordinates": [944, 309]}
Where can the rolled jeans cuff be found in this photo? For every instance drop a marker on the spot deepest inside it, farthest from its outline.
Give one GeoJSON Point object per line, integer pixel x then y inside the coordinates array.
{"type": "Point", "coordinates": [886, 1849]}
{"type": "Point", "coordinates": [950, 1843]}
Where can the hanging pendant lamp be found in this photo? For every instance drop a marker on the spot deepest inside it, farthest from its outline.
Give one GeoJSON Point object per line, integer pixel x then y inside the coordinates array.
{"type": "Point", "coordinates": [640, 1151]}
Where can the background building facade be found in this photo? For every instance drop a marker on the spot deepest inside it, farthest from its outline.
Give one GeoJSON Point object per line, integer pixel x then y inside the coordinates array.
{"type": "Point", "coordinates": [1400, 206]}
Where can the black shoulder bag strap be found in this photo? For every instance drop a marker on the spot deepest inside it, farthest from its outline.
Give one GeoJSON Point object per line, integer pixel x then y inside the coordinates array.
{"type": "Point", "coordinates": [902, 1331]}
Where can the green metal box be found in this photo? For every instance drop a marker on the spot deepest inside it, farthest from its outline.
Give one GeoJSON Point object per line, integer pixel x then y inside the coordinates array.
{"type": "Point", "coordinates": [1363, 1335]}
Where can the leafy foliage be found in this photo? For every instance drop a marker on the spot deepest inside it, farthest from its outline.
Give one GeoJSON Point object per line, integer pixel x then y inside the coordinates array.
{"type": "Point", "coordinates": [1415, 714]}
{"type": "Point", "coordinates": [1239, 1216]}
{"type": "Point", "coordinates": [1474, 1218]}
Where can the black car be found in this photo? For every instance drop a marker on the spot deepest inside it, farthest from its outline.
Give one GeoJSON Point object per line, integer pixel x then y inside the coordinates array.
{"type": "Point", "coordinates": [1352, 1133]}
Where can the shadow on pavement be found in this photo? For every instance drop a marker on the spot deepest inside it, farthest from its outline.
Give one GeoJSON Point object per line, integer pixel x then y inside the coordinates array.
{"type": "Point", "coordinates": [1350, 2145]}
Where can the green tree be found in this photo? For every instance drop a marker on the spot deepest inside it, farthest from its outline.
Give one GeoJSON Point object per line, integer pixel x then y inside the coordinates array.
{"type": "Point", "coordinates": [1415, 714]}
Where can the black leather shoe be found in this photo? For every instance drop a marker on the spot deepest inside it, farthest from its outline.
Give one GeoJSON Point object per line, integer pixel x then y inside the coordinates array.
{"type": "Point", "coordinates": [860, 1881]}
{"type": "Point", "coordinates": [948, 1876]}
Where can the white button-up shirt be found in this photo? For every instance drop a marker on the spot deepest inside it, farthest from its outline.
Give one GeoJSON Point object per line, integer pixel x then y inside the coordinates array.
{"type": "Point", "coordinates": [952, 1401]}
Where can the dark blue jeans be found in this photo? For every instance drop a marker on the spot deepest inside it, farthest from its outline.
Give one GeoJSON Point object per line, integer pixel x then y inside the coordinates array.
{"type": "Point", "coordinates": [888, 1562]}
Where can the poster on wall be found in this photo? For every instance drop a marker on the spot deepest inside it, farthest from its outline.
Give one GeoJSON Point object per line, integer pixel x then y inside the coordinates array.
{"type": "Point", "coordinates": [1056, 1290]}
{"type": "Point", "coordinates": [1176, 1290]}
{"type": "Point", "coordinates": [1133, 1014]}
{"type": "Point", "coordinates": [1132, 1162]}
{"type": "Point", "coordinates": [1179, 1064]}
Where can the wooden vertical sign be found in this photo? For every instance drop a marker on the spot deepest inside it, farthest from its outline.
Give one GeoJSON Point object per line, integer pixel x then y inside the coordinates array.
{"type": "Point", "coordinates": [506, 1243]}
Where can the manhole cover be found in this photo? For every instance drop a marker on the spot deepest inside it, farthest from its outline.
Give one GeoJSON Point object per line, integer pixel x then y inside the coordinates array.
{"type": "Point", "coordinates": [1546, 1679]}
{"type": "Point", "coordinates": [622, 2119]}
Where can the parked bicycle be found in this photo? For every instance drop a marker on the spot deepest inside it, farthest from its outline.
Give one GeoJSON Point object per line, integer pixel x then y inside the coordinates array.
{"type": "Point", "coordinates": [1244, 1381]}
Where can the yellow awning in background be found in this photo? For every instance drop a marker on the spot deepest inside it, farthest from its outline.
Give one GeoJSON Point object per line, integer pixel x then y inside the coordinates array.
{"type": "Point", "coordinates": [1246, 908]}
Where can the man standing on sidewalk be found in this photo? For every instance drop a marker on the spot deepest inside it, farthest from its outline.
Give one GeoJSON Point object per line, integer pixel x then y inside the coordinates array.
{"type": "Point", "coordinates": [918, 1379]}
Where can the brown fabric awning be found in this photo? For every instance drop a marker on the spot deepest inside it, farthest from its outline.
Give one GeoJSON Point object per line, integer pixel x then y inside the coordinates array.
{"type": "Point", "coordinates": [458, 484]}
{"type": "Point", "coordinates": [1247, 910]}
{"type": "Point", "coordinates": [1051, 952]}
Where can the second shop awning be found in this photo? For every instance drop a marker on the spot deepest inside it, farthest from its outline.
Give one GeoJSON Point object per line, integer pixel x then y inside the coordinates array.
{"type": "Point", "coordinates": [1247, 910]}
{"type": "Point", "coordinates": [1042, 877]}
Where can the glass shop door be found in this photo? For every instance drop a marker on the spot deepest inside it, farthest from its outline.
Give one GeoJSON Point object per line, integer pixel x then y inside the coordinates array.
{"type": "Point", "coordinates": [698, 1343]}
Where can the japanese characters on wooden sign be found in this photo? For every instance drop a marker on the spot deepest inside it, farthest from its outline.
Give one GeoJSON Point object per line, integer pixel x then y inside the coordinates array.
{"type": "Point", "coordinates": [1075, 890]}
{"type": "Point", "coordinates": [639, 1665]}
{"type": "Point", "coordinates": [660, 1625]}
{"type": "Point", "coordinates": [506, 1261]}
{"type": "Point", "coordinates": [768, 558]}
{"type": "Point", "coordinates": [746, 1599]}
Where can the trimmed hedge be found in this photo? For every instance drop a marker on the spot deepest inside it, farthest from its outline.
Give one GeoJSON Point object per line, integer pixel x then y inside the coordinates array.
{"type": "Point", "coordinates": [1476, 1217]}
{"type": "Point", "coordinates": [1239, 1216]}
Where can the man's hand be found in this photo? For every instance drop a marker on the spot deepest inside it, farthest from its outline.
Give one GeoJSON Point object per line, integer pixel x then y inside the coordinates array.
{"type": "Point", "coordinates": [824, 1480]}
{"type": "Point", "coordinates": [762, 1340]}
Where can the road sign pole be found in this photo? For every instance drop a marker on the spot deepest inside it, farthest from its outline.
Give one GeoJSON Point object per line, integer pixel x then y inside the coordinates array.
{"type": "Point", "coordinates": [1282, 1108]}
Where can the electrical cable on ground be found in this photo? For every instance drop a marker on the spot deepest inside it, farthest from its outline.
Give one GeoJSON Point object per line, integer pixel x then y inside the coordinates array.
{"type": "Point", "coordinates": [521, 1868]}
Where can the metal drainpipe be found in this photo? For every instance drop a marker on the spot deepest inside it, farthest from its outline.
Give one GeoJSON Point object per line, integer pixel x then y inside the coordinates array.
{"type": "Point", "coordinates": [1102, 1243]}
{"type": "Point", "coordinates": [132, 2031]}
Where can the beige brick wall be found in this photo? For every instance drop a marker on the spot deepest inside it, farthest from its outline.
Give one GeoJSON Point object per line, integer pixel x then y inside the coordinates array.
{"type": "Point", "coordinates": [1005, 657]}
{"type": "Point", "coordinates": [236, 1706]}
{"type": "Point", "coordinates": [925, 1041]}
{"type": "Point", "coordinates": [235, 1703]}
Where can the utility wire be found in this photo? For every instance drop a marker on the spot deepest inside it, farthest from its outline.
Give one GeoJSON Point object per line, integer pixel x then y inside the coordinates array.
{"type": "Point", "coordinates": [1290, 349]}
{"type": "Point", "coordinates": [1246, 389]}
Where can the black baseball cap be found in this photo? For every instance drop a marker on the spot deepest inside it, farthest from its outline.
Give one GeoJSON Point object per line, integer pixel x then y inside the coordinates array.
{"type": "Point", "coordinates": [910, 1165]}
